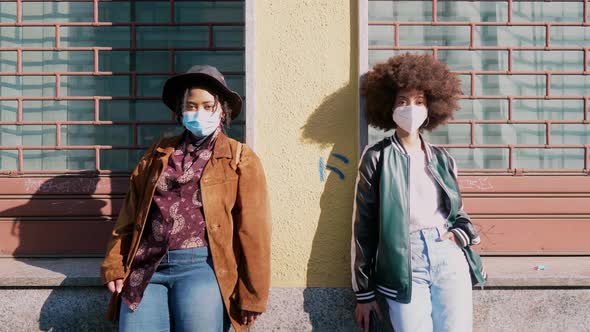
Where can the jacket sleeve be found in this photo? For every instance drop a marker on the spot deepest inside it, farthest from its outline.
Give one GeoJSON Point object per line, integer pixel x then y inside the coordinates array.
{"type": "Point", "coordinates": [253, 231]}
{"type": "Point", "coordinates": [365, 226]}
{"type": "Point", "coordinates": [463, 228]}
{"type": "Point", "coordinates": [113, 265]}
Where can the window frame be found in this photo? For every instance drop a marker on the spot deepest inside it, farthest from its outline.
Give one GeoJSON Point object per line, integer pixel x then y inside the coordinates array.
{"type": "Point", "coordinates": [60, 76]}
{"type": "Point", "coordinates": [363, 65]}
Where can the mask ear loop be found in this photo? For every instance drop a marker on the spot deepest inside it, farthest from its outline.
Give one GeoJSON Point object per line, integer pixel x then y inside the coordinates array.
{"type": "Point", "coordinates": [392, 115]}
{"type": "Point", "coordinates": [423, 126]}
{"type": "Point", "coordinates": [218, 106]}
{"type": "Point", "coordinates": [427, 122]}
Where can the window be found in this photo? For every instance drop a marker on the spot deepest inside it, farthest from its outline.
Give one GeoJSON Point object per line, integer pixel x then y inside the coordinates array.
{"type": "Point", "coordinates": [524, 69]}
{"type": "Point", "coordinates": [80, 81]}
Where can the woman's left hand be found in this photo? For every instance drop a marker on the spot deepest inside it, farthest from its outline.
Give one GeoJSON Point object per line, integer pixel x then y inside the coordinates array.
{"type": "Point", "coordinates": [249, 317]}
{"type": "Point", "coordinates": [451, 236]}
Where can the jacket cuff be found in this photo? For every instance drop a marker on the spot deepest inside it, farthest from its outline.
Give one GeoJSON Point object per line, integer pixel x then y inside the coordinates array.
{"type": "Point", "coordinates": [461, 236]}
{"type": "Point", "coordinates": [253, 307]}
{"type": "Point", "coordinates": [110, 275]}
{"type": "Point", "coordinates": [365, 296]}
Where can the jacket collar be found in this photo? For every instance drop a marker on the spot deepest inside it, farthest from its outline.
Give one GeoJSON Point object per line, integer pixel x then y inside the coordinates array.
{"type": "Point", "coordinates": [167, 145]}
{"type": "Point", "coordinates": [221, 149]}
{"type": "Point", "coordinates": [398, 146]}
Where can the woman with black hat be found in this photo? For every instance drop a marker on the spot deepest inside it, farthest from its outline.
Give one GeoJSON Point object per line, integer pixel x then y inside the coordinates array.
{"type": "Point", "coordinates": [191, 247]}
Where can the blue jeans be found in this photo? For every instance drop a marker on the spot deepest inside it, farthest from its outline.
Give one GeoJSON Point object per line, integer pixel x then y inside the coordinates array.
{"type": "Point", "coordinates": [441, 287]}
{"type": "Point", "coordinates": [183, 295]}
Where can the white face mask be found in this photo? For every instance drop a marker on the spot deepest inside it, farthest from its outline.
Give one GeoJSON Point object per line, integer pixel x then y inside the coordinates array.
{"type": "Point", "coordinates": [410, 117]}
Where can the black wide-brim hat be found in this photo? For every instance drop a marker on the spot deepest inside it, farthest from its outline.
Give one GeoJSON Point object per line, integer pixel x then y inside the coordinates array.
{"type": "Point", "coordinates": [207, 77]}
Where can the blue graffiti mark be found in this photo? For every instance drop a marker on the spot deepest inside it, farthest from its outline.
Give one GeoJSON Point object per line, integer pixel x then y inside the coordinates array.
{"type": "Point", "coordinates": [341, 157]}
{"type": "Point", "coordinates": [322, 167]}
{"type": "Point", "coordinates": [336, 170]}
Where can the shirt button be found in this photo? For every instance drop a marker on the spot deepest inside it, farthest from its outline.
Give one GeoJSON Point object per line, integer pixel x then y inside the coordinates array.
{"type": "Point", "coordinates": [137, 227]}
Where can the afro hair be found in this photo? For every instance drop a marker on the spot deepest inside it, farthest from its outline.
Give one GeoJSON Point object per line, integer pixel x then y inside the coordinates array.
{"type": "Point", "coordinates": [381, 85]}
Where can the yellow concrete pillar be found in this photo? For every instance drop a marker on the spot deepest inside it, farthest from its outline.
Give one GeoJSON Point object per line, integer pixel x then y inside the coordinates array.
{"type": "Point", "coordinates": [306, 112]}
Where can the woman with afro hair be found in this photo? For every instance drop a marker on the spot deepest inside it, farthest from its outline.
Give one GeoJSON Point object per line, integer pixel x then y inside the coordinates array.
{"type": "Point", "coordinates": [411, 238]}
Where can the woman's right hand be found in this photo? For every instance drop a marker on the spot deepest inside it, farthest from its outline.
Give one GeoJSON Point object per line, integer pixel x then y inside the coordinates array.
{"type": "Point", "coordinates": [115, 285]}
{"type": "Point", "coordinates": [362, 314]}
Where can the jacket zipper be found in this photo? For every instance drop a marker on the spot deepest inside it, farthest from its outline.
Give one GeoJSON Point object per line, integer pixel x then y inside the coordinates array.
{"type": "Point", "coordinates": [407, 156]}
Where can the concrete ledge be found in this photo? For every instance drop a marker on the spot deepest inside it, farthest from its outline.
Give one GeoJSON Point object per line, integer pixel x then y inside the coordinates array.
{"type": "Point", "coordinates": [522, 272]}
{"type": "Point", "coordinates": [50, 272]}
{"type": "Point", "coordinates": [502, 272]}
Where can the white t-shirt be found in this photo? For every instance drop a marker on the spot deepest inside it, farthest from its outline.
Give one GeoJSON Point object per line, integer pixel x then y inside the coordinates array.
{"type": "Point", "coordinates": [426, 209]}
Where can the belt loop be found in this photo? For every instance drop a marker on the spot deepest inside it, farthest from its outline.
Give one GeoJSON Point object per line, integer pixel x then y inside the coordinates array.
{"type": "Point", "coordinates": [422, 234]}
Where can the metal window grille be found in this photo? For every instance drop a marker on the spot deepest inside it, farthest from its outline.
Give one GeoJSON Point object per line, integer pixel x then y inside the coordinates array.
{"type": "Point", "coordinates": [80, 80]}
{"type": "Point", "coordinates": [529, 82]}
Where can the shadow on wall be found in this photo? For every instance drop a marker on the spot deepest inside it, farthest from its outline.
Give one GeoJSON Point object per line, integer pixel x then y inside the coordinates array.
{"type": "Point", "coordinates": [329, 263]}
{"type": "Point", "coordinates": [333, 124]}
{"type": "Point", "coordinates": [328, 297]}
{"type": "Point", "coordinates": [74, 219]}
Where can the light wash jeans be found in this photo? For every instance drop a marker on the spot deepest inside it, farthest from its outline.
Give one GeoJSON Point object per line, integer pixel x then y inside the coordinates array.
{"type": "Point", "coordinates": [183, 295]}
{"type": "Point", "coordinates": [441, 288]}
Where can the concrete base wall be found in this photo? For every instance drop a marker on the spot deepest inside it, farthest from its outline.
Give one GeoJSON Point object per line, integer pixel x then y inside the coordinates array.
{"type": "Point", "coordinates": [532, 310]}
{"type": "Point", "coordinates": [299, 309]}
{"type": "Point", "coordinates": [57, 309]}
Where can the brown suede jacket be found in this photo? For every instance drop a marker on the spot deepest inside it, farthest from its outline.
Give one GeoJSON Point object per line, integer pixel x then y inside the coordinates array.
{"type": "Point", "coordinates": [237, 215]}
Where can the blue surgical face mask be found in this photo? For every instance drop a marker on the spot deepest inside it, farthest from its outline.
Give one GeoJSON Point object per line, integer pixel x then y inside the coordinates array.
{"type": "Point", "coordinates": [201, 123]}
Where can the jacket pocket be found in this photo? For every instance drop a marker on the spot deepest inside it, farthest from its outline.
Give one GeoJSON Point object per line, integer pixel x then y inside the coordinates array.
{"type": "Point", "coordinates": [209, 180]}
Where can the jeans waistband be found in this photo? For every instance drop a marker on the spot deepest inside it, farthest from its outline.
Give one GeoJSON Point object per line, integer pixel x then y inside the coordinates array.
{"type": "Point", "coordinates": [429, 233]}
{"type": "Point", "coordinates": [185, 255]}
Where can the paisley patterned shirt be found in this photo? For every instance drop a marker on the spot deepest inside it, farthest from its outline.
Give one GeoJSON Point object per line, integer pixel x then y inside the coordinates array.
{"type": "Point", "coordinates": [176, 219]}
